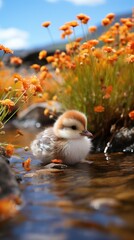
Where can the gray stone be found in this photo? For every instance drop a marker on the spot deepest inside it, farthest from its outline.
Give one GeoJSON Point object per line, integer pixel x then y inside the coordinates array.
{"type": "Point", "coordinates": [8, 183]}
{"type": "Point", "coordinates": [33, 116]}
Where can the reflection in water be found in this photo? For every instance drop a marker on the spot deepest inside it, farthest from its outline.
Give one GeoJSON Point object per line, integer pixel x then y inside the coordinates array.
{"type": "Point", "coordinates": [88, 201]}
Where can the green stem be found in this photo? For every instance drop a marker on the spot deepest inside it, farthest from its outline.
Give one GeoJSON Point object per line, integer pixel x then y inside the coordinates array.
{"type": "Point", "coordinates": [49, 32]}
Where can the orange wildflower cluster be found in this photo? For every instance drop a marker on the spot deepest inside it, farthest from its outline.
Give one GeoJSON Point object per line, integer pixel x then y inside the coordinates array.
{"type": "Point", "coordinates": [83, 18]}
{"type": "Point", "coordinates": [108, 19]}
{"type": "Point", "coordinates": [8, 103]}
{"type": "Point", "coordinates": [91, 73]}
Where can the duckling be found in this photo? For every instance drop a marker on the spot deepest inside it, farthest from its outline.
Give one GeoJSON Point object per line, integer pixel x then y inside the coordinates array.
{"type": "Point", "coordinates": [67, 140]}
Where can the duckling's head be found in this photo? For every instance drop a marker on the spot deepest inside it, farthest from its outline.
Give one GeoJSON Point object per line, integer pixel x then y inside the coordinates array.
{"type": "Point", "coordinates": [72, 124]}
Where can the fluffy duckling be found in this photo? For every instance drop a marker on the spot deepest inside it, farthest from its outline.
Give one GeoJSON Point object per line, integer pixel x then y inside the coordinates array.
{"type": "Point", "coordinates": [67, 140]}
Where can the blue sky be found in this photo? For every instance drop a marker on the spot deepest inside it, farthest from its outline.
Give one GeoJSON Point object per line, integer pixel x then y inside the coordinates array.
{"type": "Point", "coordinates": [20, 20]}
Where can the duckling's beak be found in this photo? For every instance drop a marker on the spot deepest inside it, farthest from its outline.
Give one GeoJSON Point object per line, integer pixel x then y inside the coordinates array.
{"type": "Point", "coordinates": [86, 133]}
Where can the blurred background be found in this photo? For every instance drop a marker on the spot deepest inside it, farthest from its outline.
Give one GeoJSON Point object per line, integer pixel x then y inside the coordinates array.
{"type": "Point", "coordinates": [20, 21]}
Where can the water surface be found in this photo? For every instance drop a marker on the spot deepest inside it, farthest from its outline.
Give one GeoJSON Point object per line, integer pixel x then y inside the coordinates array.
{"type": "Point", "coordinates": [93, 200]}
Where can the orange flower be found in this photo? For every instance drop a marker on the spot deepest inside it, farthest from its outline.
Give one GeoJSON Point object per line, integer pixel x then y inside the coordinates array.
{"type": "Point", "coordinates": [46, 24]}
{"type": "Point", "coordinates": [44, 68]}
{"type": "Point", "coordinates": [16, 60]}
{"type": "Point", "coordinates": [38, 88]}
{"type": "Point", "coordinates": [98, 53]}
{"type": "Point", "coordinates": [131, 46]}
{"type": "Point", "coordinates": [105, 21]}
{"type": "Point", "coordinates": [123, 20]}
{"type": "Point", "coordinates": [73, 24]}
{"type": "Point", "coordinates": [80, 16]}
{"type": "Point", "coordinates": [70, 47]}
{"type": "Point", "coordinates": [129, 24]}
{"type": "Point", "coordinates": [7, 102]}
{"type": "Point", "coordinates": [117, 25]}
{"type": "Point", "coordinates": [68, 32]}
{"type": "Point", "coordinates": [17, 77]}
{"type": "Point", "coordinates": [26, 164]}
{"type": "Point", "coordinates": [110, 16]}
{"type": "Point", "coordinates": [108, 40]}
{"type": "Point", "coordinates": [2, 47]}
{"type": "Point", "coordinates": [25, 84]}
{"type": "Point", "coordinates": [83, 18]}
{"type": "Point", "coordinates": [99, 109]}
{"type": "Point", "coordinates": [131, 115]}
{"type": "Point", "coordinates": [108, 49]}
{"type": "Point", "coordinates": [34, 80]}
{"type": "Point", "coordinates": [9, 150]}
{"type": "Point", "coordinates": [5, 49]}
{"type": "Point", "coordinates": [93, 42]}
{"type": "Point", "coordinates": [8, 208]}
{"type": "Point", "coordinates": [89, 44]}
{"type": "Point", "coordinates": [64, 27]}
{"type": "Point", "coordinates": [120, 51]}
{"type": "Point", "coordinates": [112, 58]}
{"type": "Point", "coordinates": [42, 54]}
{"type": "Point", "coordinates": [36, 67]}
{"type": "Point", "coordinates": [92, 29]}
{"type": "Point", "coordinates": [79, 39]}
{"type": "Point", "coordinates": [50, 59]}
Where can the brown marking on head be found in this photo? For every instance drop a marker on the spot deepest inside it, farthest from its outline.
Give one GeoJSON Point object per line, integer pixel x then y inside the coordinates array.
{"type": "Point", "coordinates": [73, 114]}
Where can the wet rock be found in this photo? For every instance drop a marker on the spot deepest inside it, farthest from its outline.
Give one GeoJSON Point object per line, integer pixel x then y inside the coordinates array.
{"type": "Point", "coordinates": [8, 183]}
{"type": "Point", "coordinates": [10, 197]}
{"type": "Point", "coordinates": [121, 141]}
{"type": "Point", "coordinates": [33, 116]}
{"type": "Point", "coordinates": [56, 166]}
{"type": "Point", "coordinates": [3, 153]}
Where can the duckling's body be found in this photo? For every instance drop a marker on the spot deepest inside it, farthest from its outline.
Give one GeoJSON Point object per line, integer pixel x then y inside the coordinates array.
{"type": "Point", "coordinates": [66, 140]}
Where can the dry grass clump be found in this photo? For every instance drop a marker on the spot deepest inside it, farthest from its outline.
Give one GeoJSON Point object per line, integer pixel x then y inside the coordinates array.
{"type": "Point", "coordinates": [98, 74]}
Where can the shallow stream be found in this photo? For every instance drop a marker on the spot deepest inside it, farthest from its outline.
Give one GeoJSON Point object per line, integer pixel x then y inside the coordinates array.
{"type": "Point", "coordinates": [93, 200]}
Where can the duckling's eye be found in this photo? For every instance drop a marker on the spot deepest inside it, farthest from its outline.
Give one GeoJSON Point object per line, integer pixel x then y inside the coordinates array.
{"type": "Point", "coordinates": [74, 127]}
